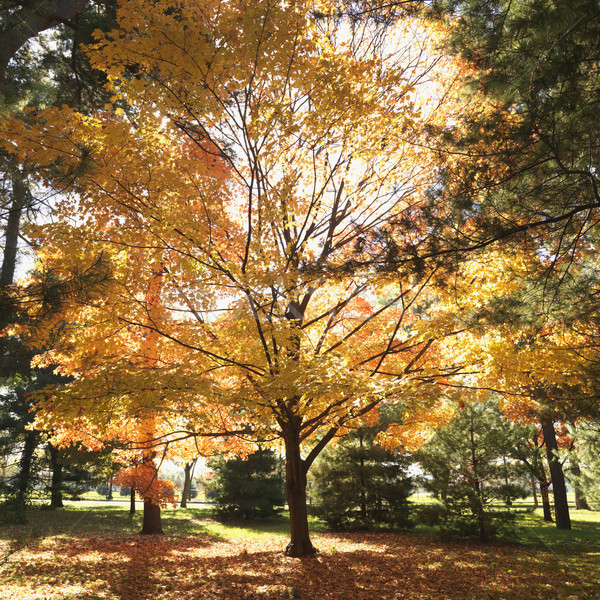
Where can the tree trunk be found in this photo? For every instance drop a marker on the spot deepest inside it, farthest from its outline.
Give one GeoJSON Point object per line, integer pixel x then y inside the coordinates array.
{"type": "Point", "coordinates": [363, 487]}
{"type": "Point", "coordinates": [507, 499]}
{"type": "Point", "coordinates": [581, 502]}
{"type": "Point", "coordinates": [11, 244]}
{"type": "Point", "coordinates": [539, 472]}
{"type": "Point", "coordinates": [152, 524]}
{"type": "Point", "coordinates": [30, 20]}
{"type": "Point", "coordinates": [186, 485]}
{"type": "Point", "coordinates": [295, 490]}
{"type": "Point", "coordinates": [13, 227]}
{"type": "Point", "coordinates": [534, 492]}
{"type": "Point", "coordinates": [561, 506]}
{"type": "Point", "coordinates": [544, 487]}
{"type": "Point", "coordinates": [56, 498]}
{"type": "Point", "coordinates": [477, 503]}
{"type": "Point", "coordinates": [186, 493]}
{"type": "Point", "coordinates": [132, 501]}
{"type": "Point", "coordinates": [25, 464]}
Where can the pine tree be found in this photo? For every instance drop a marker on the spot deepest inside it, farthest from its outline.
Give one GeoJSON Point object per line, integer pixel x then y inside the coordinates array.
{"type": "Point", "coordinates": [359, 484]}
{"type": "Point", "coordinates": [247, 488]}
{"type": "Point", "coordinates": [464, 467]}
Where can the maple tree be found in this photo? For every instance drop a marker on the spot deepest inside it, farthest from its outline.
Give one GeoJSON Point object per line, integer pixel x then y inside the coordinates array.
{"type": "Point", "coordinates": [264, 162]}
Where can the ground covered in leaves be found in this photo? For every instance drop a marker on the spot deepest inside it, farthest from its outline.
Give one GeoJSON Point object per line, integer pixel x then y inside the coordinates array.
{"type": "Point", "coordinates": [87, 560]}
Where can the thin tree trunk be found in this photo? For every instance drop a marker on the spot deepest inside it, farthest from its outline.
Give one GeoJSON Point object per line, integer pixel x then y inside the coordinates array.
{"type": "Point", "coordinates": [544, 492]}
{"type": "Point", "coordinates": [561, 506]}
{"type": "Point", "coordinates": [581, 502]}
{"type": "Point", "coordinates": [25, 464]}
{"type": "Point", "coordinates": [12, 229]}
{"type": "Point", "coordinates": [536, 503]}
{"type": "Point", "coordinates": [477, 506]}
{"type": "Point", "coordinates": [56, 498]}
{"type": "Point", "coordinates": [186, 493]}
{"type": "Point", "coordinates": [132, 501]}
{"type": "Point", "coordinates": [295, 489]}
{"type": "Point", "coordinates": [540, 474]}
{"type": "Point", "coordinates": [507, 500]}
{"type": "Point", "coordinates": [363, 487]}
{"type": "Point", "coordinates": [11, 244]}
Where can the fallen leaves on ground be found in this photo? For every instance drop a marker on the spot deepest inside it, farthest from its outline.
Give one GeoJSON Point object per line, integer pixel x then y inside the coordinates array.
{"type": "Point", "coordinates": [357, 566]}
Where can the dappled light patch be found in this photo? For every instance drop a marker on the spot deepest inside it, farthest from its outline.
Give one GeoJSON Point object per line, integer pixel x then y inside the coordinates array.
{"type": "Point", "coordinates": [361, 566]}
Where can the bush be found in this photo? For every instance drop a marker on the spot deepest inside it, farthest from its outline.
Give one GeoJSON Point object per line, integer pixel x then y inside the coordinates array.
{"type": "Point", "coordinates": [13, 513]}
{"type": "Point", "coordinates": [463, 524]}
{"type": "Point", "coordinates": [432, 515]}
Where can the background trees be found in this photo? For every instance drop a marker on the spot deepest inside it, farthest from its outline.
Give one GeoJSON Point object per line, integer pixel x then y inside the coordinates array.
{"type": "Point", "coordinates": [465, 465]}
{"type": "Point", "coordinates": [536, 172]}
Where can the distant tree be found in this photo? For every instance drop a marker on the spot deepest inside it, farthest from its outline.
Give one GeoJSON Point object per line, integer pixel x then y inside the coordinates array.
{"type": "Point", "coordinates": [584, 463]}
{"type": "Point", "coordinates": [464, 468]}
{"type": "Point", "coordinates": [188, 492]}
{"type": "Point", "coordinates": [248, 489]}
{"type": "Point", "coordinates": [359, 484]}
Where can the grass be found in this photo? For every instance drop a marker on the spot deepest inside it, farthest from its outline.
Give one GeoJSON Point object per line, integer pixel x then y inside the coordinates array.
{"type": "Point", "coordinates": [95, 552]}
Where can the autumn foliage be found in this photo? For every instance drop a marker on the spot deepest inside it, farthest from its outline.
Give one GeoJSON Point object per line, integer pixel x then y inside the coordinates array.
{"type": "Point", "coordinates": [268, 164]}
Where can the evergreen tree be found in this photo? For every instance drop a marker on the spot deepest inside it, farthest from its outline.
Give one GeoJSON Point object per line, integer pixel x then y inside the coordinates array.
{"type": "Point", "coordinates": [357, 483]}
{"type": "Point", "coordinates": [55, 72]}
{"type": "Point", "coordinates": [533, 155]}
{"type": "Point", "coordinates": [465, 467]}
{"type": "Point", "coordinates": [247, 488]}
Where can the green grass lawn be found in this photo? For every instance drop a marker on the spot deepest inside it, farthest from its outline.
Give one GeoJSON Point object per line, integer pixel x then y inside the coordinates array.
{"type": "Point", "coordinates": [95, 552]}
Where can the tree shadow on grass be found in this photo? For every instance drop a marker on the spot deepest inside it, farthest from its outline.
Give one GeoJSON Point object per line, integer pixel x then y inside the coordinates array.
{"type": "Point", "coordinates": [349, 567]}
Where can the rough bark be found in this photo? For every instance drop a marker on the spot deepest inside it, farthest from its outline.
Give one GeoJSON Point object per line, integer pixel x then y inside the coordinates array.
{"type": "Point", "coordinates": [561, 506]}
{"type": "Point", "coordinates": [12, 228]}
{"type": "Point", "coordinates": [11, 243]}
{"type": "Point", "coordinates": [152, 523]}
{"type": "Point", "coordinates": [295, 489]}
